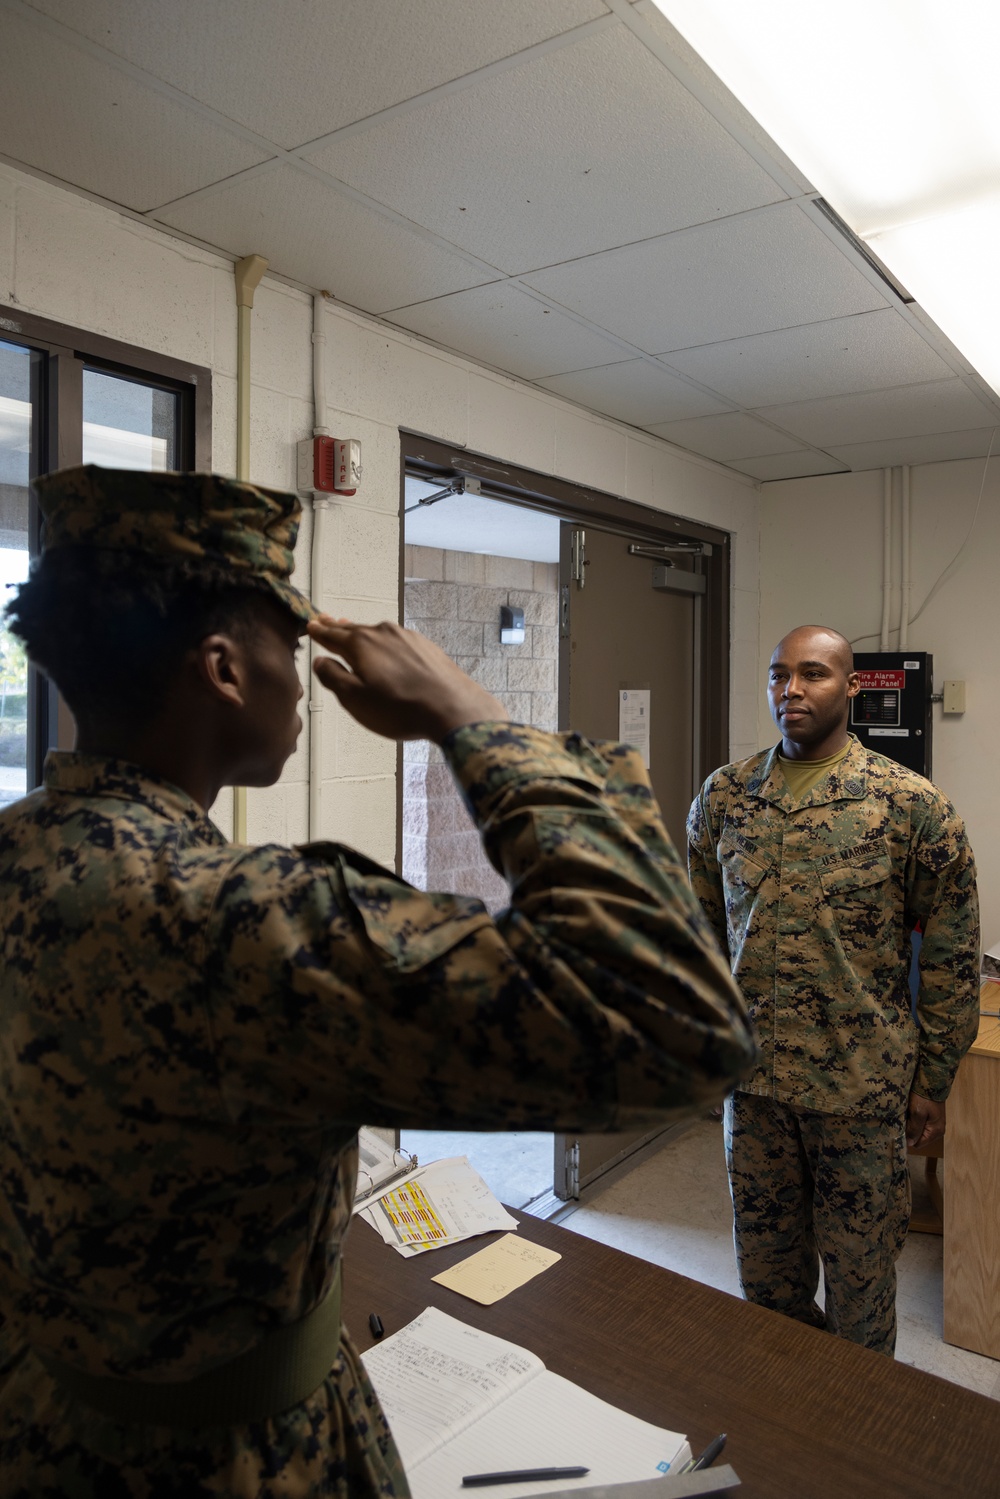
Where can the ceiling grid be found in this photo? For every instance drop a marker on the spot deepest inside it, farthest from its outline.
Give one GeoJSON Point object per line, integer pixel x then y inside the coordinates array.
{"type": "Point", "coordinates": [564, 193]}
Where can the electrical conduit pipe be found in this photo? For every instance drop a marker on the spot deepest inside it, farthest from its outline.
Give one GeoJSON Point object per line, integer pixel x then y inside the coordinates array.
{"type": "Point", "coordinates": [320, 506]}
{"type": "Point", "coordinates": [883, 642]}
{"type": "Point", "coordinates": [248, 272]}
{"type": "Point", "coordinates": [905, 567]}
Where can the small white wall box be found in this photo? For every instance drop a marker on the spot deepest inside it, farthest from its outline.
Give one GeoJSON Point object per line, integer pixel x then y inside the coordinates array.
{"type": "Point", "coordinates": [511, 625]}
{"type": "Point", "coordinates": [953, 697]}
{"type": "Point", "coordinates": [331, 465]}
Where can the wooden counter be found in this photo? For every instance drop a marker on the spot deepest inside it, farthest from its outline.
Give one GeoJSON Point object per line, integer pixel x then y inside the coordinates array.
{"type": "Point", "coordinates": [972, 1193]}
{"type": "Point", "coordinates": [809, 1416]}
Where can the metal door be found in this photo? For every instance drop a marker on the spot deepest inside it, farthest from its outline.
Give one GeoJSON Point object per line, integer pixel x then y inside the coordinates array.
{"type": "Point", "coordinates": [629, 619]}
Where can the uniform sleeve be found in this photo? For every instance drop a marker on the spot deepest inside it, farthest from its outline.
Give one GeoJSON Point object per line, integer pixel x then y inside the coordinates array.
{"type": "Point", "coordinates": [339, 994]}
{"type": "Point", "coordinates": [703, 867]}
{"type": "Point", "coordinates": [941, 894]}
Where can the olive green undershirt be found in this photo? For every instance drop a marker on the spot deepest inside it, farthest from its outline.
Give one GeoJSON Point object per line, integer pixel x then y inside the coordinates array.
{"type": "Point", "coordinates": [802, 775]}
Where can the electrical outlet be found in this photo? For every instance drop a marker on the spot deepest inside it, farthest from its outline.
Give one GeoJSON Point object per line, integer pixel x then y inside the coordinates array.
{"type": "Point", "coordinates": [953, 697]}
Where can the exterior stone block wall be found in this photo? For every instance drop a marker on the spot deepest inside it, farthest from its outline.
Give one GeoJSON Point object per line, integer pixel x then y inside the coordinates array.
{"type": "Point", "coordinates": [454, 598]}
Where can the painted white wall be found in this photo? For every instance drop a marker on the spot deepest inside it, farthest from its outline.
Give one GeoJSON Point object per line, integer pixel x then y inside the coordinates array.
{"type": "Point", "coordinates": [821, 563]}
{"type": "Point", "coordinates": [74, 261]}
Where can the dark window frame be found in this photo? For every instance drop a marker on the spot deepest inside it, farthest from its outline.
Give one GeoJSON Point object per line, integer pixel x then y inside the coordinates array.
{"type": "Point", "coordinates": [57, 440]}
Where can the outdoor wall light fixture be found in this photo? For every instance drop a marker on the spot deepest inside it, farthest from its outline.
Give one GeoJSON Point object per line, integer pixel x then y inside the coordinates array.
{"type": "Point", "coordinates": [511, 625]}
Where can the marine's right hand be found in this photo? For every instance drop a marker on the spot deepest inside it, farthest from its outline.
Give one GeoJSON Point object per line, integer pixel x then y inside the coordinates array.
{"type": "Point", "coordinates": [397, 683]}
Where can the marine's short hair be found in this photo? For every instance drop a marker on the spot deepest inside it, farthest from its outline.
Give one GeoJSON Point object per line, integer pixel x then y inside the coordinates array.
{"type": "Point", "coordinates": [136, 568]}
{"type": "Point", "coordinates": [111, 638]}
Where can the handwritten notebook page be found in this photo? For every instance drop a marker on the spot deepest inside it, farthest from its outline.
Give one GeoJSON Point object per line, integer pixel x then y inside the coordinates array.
{"type": "Point", "coordinates": [437, 1375]}
{"type": "Point", "coordinates": [500, 1268]}
{"type": "Point", "coordinates": [550, 1422]}
{"type": "Point", "coordinates": [463, 1401]}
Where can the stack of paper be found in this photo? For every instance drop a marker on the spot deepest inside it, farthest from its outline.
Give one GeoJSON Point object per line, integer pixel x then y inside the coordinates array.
{"type": "Point", "coordinates": [439, 1204]}
{"type": "Point", "coordinates": [460, 1401]}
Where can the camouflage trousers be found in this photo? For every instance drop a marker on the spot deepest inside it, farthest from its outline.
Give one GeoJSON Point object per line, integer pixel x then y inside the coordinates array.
{"type": "Point", "coordinates": [808, 1187]}
{"type": "Point", "coordinates": [336, 1445]}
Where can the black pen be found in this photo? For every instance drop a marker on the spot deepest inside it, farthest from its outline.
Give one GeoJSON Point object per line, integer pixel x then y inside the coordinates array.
{"type": "Point", "coordinates": [709, 1455]}
{"type": "Point", "coordinates": [520, 1475]}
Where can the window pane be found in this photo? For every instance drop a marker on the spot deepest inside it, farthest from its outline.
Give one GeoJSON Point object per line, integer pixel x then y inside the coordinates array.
{"type": "Point", "coordinates": [15, 468]}
{"type": "Point", "coordinates": [128, 425]}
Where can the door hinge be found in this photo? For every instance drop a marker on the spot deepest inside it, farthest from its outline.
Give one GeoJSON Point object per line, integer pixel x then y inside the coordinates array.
{"type": "Point", "coordinates": [573, 1170]}
{"type": "Point", "coordinates": [578, 557]}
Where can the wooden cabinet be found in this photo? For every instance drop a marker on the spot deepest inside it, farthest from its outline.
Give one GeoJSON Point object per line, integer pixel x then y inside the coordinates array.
{"type": "Point", "coordinates": [972, 1194]}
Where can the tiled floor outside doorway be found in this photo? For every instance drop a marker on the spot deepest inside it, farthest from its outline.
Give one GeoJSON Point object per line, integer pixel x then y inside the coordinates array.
{"type": "Point", "coordinates": [517, 1166]}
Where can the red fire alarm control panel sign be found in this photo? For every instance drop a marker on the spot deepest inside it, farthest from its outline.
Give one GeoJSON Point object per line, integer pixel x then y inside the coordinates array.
{"type": "Point", "coordinates": [882, 679]}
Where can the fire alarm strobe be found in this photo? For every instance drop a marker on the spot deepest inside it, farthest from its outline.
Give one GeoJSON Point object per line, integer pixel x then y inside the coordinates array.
{"type": "Point", "coordinates": [329, 464]}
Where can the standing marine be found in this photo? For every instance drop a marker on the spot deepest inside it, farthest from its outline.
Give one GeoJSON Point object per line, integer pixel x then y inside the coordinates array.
{"type": "Point", "coordinates": [814, 862]}
{"type": "Point", "coordinates": [192, 1030]}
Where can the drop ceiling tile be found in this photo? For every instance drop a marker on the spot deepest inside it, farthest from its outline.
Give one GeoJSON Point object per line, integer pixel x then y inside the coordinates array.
{"type": "Point", "coordinates": [503, 326]}
{"type": "Point", "coordinates": [634, 391]}
{"type": "Point", "coordinates": [732, 435]}
{"type": "Point", "coordinates": [316, 235]}
{"type": "Point", "coordinates": [906, 411]}
{"type": "Point", "coordinates": [87, 124]}
{"type": "Point", "coordinates": [936, 447]}
{"type": "Point", "coordinates": [844, 355]}
{"type": "Point", "coordinates": [294, 73]}
{"type": "Point", "coordinates": [728, 279]}
{"type": "Point", "coordinates": [801, 464]}
{"type": "Point", "coordinates": [591, 146]}
{"type": "Point", "coordinates": [725, 102]}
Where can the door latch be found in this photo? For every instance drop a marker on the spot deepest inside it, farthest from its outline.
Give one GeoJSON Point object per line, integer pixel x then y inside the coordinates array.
{"type": "Point", "coordinates": [564, 611]}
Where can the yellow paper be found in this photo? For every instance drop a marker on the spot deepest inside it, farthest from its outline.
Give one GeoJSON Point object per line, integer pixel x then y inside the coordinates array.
{"type": "Point", "coordinates": [498, 1269]}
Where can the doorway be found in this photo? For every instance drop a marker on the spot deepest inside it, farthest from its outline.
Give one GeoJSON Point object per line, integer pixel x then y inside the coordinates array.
{"type": "Point", "coordinates": [618, 603]}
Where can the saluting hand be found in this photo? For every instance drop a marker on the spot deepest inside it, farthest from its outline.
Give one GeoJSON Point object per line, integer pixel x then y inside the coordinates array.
{"type": "Point", "coordinates": [397, 683]}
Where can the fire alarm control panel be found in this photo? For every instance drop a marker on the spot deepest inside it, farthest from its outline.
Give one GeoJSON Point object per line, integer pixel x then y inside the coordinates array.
{"type": "Point", "coordinates": [892, 711]}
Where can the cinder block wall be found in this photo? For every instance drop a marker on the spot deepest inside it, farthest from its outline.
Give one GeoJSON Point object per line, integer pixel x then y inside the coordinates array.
{"type": "Point", "coordinates": [86, 265]}
{"type": "Point", "coordinates": [454, 598]}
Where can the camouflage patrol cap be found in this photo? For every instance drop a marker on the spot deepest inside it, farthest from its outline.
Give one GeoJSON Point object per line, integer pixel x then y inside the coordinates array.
{"type": "Point", "coordinates": [229, 531]}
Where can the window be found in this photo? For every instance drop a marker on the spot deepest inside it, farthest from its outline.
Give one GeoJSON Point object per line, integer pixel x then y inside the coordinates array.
{"type": "Point", "coordinates": [128, 423]}
{"type": "Point", "coordinates": [15, 472]}
{"type": "Point", "coordinates": [66, 398]}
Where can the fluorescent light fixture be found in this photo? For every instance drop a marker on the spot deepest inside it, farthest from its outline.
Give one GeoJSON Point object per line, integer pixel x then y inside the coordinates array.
{"type": "Point", "coordinates": [889, 109]}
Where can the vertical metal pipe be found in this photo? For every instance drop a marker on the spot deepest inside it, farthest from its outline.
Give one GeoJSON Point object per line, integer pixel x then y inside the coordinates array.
{"type": "Point", "coordinates": [248, 272]}
{"type": "Point", "coordinates": [697, 696]}
{"type": "Point", "coordinates": [905, 568]}
{"type": "Point", "coordinates": [883, 643]}
{"type": "Point", "coordinates": [320, 506]}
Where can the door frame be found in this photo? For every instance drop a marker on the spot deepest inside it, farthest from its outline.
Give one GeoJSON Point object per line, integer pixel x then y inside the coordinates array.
{"type": "Point", "coordinates": [584, 505]}
{"type": "Point", "coordinates": [579, 505]}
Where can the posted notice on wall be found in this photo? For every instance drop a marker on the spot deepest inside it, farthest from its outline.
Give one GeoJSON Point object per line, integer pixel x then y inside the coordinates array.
{"type": "Point", "coordinates": [633, 719]}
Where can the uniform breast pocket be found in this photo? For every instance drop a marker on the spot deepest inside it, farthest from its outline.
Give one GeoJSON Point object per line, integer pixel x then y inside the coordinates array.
{"type": "Point", "coordinates": [860, 900]}
{"type": "Point", "coordinates": [741, 877]}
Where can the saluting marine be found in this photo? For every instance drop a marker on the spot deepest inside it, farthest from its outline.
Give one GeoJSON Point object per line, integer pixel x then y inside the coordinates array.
{"type": "Point", "coordinates": [814, 861]}
{"type": "Point", "coordinates": [193, 1030]}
